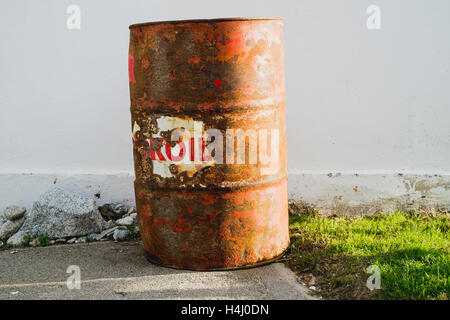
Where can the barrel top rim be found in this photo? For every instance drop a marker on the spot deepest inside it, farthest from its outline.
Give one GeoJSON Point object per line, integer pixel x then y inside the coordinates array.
{"type": "Point", "coordinates": [143, 24]}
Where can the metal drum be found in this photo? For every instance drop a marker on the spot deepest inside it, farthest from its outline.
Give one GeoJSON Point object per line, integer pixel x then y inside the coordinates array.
{"type": "Point", "coordinates": [209, 140]}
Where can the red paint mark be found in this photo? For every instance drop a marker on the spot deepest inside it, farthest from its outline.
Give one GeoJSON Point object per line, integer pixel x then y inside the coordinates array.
{"type": "Point", "coordinates": [181, 225]}
{"type": "Point", "coordinates": [188, 209]}
{"type": "Point", "coordinates": [206, 200]}
{"type": "Point", "coordinates": [203, 107]}
{"type": "Point", "coordinates": [234, 46]}
{"type": "Point", "coordinates": [193, 60]}
{"type": "Point", "coordinates": [212, 216]}
{"type": "Point", "coordinates": [218, 83]}
{"type": "Point", "coordinates": [241, 214]}
{"type": "Point", "coordinates": [131, 68]}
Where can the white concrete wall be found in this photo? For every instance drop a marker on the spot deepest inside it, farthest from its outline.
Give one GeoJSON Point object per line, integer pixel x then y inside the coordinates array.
{"type": "Point", "coordinates": [372, 102]}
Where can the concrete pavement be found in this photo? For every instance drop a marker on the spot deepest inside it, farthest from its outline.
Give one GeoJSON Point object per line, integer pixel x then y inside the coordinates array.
{"type": "Point", "coordinates": [120, 271]}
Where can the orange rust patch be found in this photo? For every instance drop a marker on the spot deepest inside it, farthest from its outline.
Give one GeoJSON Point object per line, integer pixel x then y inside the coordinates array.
{"type": "Point", "coordinates": [194, 60]}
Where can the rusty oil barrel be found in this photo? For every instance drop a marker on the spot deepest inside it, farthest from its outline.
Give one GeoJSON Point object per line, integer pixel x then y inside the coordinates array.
{"type": "Point", "coordinates": [213, 196]}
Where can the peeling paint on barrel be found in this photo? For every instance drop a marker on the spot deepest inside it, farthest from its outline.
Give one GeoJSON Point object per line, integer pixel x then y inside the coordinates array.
{"type": "Point", "coordinates": [163, 168]}
{"type": "Point", "coordinates": [195, 211]}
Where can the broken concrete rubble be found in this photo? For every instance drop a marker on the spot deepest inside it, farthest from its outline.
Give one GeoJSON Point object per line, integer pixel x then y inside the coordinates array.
{"type": "Point", "coordinates": [64, 217]}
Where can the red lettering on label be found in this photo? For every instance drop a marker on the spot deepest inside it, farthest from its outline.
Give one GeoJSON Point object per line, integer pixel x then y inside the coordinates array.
{"type": "Point", "coordinates": [192, 149]}
{"type": "Point", "coordinates": [203, 147]}
{"type": "Point", "coordinates": [180, 156]}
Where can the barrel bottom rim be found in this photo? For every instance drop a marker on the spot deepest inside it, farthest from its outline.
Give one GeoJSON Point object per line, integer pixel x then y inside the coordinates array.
{"type": "Point", "coordinates": [156, 261]}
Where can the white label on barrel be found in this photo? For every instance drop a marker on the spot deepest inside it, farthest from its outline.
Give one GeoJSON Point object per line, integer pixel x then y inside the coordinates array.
{"type": "Point", "coordinates": [188, 155]}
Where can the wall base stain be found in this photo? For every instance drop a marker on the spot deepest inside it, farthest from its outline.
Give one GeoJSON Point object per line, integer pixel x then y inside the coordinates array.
{"type": "Point", "coordinates": [330, 195]}
{"type": "Point", "coordinates": [367, 194]}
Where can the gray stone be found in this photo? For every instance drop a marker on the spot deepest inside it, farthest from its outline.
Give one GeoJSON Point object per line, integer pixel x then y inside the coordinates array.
{"type": "Point", "coordinates": [127, 221]}
{"type": "Point", "coordinates": [107, 232]}
{"type": "Point", "coordinates": [8, 228]}
{"type": "Point", "coordinates": [118, 208]}
{"type": "Point", "coordinates": [16, 239]}
{"type": "Point", "coordinates": [94, 236]}
{"type": "Point", "coordinates": [14, 212]}
{"type": "Point", "coordinates": [2, 222]}
{"type": "Point", "coordinates": [120, 235]}
{"type": "Point", "coordinates": [110, 224]}
{"type": "Point", "coordinates": [60, 241]}
{"type": "Point", "coordinates": [60, 214]}
{"type": "Point", "coordinates": [108, 214]}
{"type": "Point", "coordinates": [73, 240]}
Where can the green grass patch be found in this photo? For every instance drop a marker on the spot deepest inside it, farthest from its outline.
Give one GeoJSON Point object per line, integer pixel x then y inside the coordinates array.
{"type": "Point", "coordinates": [26, 240]}
{"type": "Point", "coordinates": [43, 240]}
{"type": "Point", "coordinates": [412, 251]}
{"type": "Point", "coordinates": [5, 245]}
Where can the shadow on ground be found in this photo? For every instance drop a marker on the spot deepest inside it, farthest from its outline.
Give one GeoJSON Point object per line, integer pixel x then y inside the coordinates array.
{"type": "Point", "coordinates": [120, 271]}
